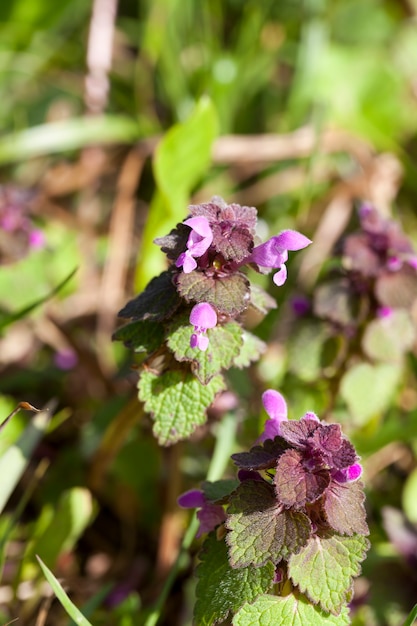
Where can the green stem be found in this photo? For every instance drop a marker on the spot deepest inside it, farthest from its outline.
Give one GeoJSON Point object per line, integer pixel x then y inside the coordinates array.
{"type": "Point", "coordinates": [225, 437]}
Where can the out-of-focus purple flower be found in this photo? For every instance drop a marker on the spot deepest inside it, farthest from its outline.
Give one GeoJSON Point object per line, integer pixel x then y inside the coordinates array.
{"type": "Point", "coordinates": [384, 311]}
{"type": "Point", "coordinates": [198, 243]}
{"type": "Point", "coordinates": [202, 317]}
{"type": "Point", "coordinates": [276, 407]}
{"type": "Point", "coordinates": [66, 359]}
{"type": "Point", "coordinates": [300, 305]}
{"type": "Point", "coordinates": [274, 252]}
{"type": "Point", "coordinates": [209, 515]}
{"type": "Point", "coordinates": [36, 239]}
{"type": "Point", "coordinates": [348, 474]}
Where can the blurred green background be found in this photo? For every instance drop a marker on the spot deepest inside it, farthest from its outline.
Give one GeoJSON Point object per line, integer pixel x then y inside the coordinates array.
{"type": "Point", "coordinates": [114, 116]}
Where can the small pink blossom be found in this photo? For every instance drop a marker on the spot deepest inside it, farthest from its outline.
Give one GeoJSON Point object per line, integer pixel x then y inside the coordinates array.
{"type": "Point", "coordinates": [198, 243]}
{"type": "Point", "coordinates": [202, 317]}
{"type": "Point", "coordinates": [276, 407]}
{"type": "Point", "coordinates": [209, 515]}
{"type": "Point", "coordinates": [274, 252]}
{"type": "Point", "coordinates": [348, 474]}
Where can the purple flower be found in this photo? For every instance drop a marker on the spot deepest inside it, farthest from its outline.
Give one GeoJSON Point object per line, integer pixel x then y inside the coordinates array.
{"type": "Point", "coordinates": [36, 239]}
{"type": "Point", "coordinates": [209, 515]}
{"type": "Point", "coordinates": [274, 252]}
{"type": "Point", "coordinates": [202, 317]}
{"type": "Point", "coordinates": [348, 474]}
{"type": "Point", "coordinates": [276, 407]}
{"type": "Point", "coordinates": [198, 243]}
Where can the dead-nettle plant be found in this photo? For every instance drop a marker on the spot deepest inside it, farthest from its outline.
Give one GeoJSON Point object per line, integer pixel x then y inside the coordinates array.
{"type": "Point", "coordinates": [286, 538]}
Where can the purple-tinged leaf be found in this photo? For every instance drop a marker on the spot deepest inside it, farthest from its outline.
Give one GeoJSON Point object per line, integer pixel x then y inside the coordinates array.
{"type": "Point", "coordinates": [217, 211]}
{"type": "Point", "coordinates": [298, 432]}
{"type": "Point", "coordinates": [260, 530]}
{"type": "Point", "coordinates": [261, 457]}
{"type": "Point", "coordinates": [234, 242]}
{"type": "Point", "coordinates": [324, 569]}
{"type": "Point", "coordinates": [228, 294]}
{"type": "Point", "coordinates": [295, 486]}
{"type": "Point", "coordinates": [158, 302]}
{"type": "Point", "coordinates": [344, 508]}
{"type": "Point", "coordinates": [175, 242]}
{"type": "Point", "coordinates": [397, 289]}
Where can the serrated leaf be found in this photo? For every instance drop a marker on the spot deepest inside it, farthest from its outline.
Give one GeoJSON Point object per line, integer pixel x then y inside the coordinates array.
{"type": "Point", "coordinates": [295, 485]}
{"type": "Point", "coordinates": [142, 336]}
{"type": "Point", "coordinates": [175, 242]}
{"type": "Point", "coordinates": [261, 457]}
{"type": "Point", "coordinates": [220, 489]}
{"type": "Point", "coordinates": [260, 530]}
{"type": "Point", "coordinates": [261, 300]}
{"type": "Point", "coordinates": [228, 294]}
{"type": "Point", "coordinates": [368, 389]}
{"type": "Point", "coordinates": [291, 610]}
{"type": "Point", "coordinates": [177, 402]}
{"type": "Point", "coordinates": [324, 569]}
{"type": "Point", "coordinates": [344, 508]}
{"type": "Point", "coordinates": [251, 350]}
{"type": "Point", "coordinates": [388, 338]}
{"type": "Point", "coordinates": [233, 241]}
{"type": "Point", "coordinates": [221, 589]}
{"type": "Point", "coordinates": [225, 344]}
{"type": "Point", "coordinates": [158, 302]}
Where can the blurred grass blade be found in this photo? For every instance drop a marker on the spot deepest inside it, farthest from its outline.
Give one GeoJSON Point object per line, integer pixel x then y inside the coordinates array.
{"type": "Point", "coordinates": [70, 608]}
{"type": "Point", "coordinates": [412, 617]}
{"type": "Point", "coordinates": [15, 459]}
{"type": "Point", "coordinates": [89, 607]}
{"type": "Point", "coordinates": [9, 318]}
{"type": "Point", "coordinates": [66, 135]}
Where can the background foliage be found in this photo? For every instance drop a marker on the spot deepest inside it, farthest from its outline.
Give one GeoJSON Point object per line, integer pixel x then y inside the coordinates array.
{"type": "Point", "coordinates": [301, 108]}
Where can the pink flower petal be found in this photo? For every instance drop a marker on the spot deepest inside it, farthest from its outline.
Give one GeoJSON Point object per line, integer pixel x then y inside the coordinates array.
{"type": "Point", "coordinates": [292, 240]}
{"type": "Point", "coordinates": [274, 404]}
{"type": "Point", "coordinates": [281, 276]}
{"type": "Point", "coordinates": [203, 315]}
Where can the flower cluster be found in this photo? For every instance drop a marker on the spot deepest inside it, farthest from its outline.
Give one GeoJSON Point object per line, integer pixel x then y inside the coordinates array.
{"type": "Point", "coordinates": [315, 470]}
{"type": "Point", "coordinates": [217, 241]}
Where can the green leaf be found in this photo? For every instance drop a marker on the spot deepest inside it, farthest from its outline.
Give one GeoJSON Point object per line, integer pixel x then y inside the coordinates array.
{"type": "Point", "coordinates": [291, 610]}
{"type": "Point", "coordinates": [260, 530]}
{"type": "Point", "coordinates": [368, 389]}
{"type": "Point", "coordinates": [324, 569]}
{"type": "Point", "coordinates": [69, 607]}
{"type": "Point", "coordinates": [220, 489]}
{"type": "Point", "coordinates": [251, 350]}
{"type": "Point", "coordinates": [73, 513]}
{"type": "Point", "coordinates": [177, 401]}
{"type": "Point", "coordinates": [229, 295]}
{"type": "Point", "coordinates": [225, 344]}
{"type": "Point", "coordinates": [14, 461]}
{"type": "Point", "coordinates": [220, 588]}
{"type": "Point", "coordinates": [181, 159]}
{"type": "Point", "coordinates": [142, 336]}
{"type": "Point", "coordinates": [388, 338]}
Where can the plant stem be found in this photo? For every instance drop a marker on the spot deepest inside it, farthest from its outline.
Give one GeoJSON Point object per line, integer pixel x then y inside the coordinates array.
{"type": "Point", "coordinates": [225, 437]}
